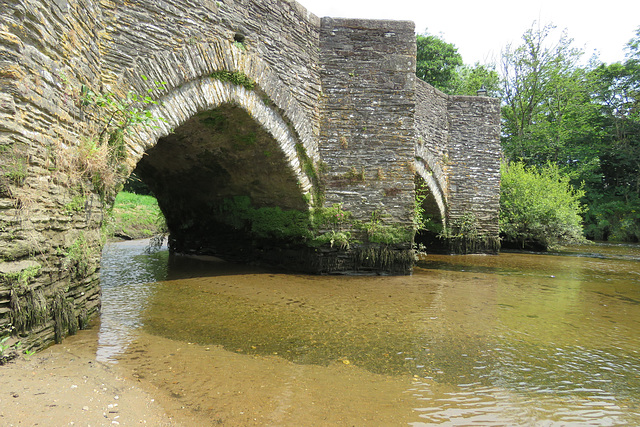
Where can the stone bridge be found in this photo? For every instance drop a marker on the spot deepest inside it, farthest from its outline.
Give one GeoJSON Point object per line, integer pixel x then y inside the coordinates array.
{"type": "Point", "coordinates": [285, 139]}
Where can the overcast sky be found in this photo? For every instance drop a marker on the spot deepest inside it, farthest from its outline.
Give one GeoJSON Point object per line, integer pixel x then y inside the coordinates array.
{"type": "Point", "coordinates": [481, 28]}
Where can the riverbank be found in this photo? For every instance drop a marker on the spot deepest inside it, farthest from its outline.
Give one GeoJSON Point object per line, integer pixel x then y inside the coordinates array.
{"type": "Point", "coordinates": [135, 216]}
{"type": "Point", "coordinates": [65, 385]}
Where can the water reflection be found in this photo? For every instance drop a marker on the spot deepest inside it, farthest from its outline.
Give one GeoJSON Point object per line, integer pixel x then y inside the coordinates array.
{"type": "Point", "coordinates": [128, 278]}
{"type": "Point", "coordinates": [515, 339]}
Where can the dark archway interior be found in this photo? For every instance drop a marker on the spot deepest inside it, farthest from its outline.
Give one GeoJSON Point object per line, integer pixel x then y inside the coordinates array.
{"type": "Point", "coordinates": [216, 161]}
{"type": "Point", "coordinates": [429, 236]}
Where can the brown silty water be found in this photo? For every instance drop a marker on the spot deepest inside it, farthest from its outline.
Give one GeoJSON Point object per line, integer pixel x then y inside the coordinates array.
{"type": "Point", "coordinates": [514, 339]}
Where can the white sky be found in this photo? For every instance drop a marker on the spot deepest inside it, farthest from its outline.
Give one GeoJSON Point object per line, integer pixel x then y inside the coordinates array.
{"type": "Point", "coordinates": [481, 28]}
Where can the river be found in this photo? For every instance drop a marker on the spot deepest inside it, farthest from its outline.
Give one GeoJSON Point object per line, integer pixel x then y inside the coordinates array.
{"type": "Point", "coordinates": [513, 339]}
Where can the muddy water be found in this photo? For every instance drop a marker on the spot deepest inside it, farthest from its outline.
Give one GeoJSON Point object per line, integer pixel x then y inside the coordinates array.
{"type": "Point", "coordinates": [514, 339]}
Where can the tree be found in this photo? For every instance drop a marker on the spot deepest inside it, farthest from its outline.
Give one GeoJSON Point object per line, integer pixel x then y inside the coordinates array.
{"type": "Point", "coordinates": [614, 197]}
{"type": "Point", "coordinates": [437, 62]}
{"type": "Point", "coordinates": [547, 107]}
{"type": "Point", "coordinates": [469, 80]}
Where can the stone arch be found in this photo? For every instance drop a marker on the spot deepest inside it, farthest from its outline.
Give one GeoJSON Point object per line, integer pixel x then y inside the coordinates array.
{"type": "Point", "coordinates": [433, 175]}
{"type": "Point", "coordinates": [186, 73]}
{"type": "Point", "coordinates": [208, 93]}
{"type": "Point", "coordinates": [195, 87]}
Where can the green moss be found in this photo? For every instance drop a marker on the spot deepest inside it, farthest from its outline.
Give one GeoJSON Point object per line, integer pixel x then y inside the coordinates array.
{"type": "Point", "coordinates": [235, 77]}
{"type": "Point", "coordinates": [77, 204]}
{"type": "Point", "coordinates": [13, 166]}
{"type": "Point", "coordinates": [339, 239]}
{"type": "Point", "coordinates": [464, 236]}
{"type": "Point", "coordinates": [28, 309]}
{"type": "Point", "coordinates": [332, 226]}
{"type": "Point", "coordinates": [312, 173]}
{"type": "Point", "coordinates": [384, 258]}
{"type": "Point", "coordinates": [214, 119]}
{"type": "Point", "coordinates": [243, 141]}
{"type": "Point", "coordinates": [379, 232]}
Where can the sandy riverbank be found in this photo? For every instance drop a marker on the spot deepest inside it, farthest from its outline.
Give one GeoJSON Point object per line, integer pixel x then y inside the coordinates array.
{"type": "Point", "coordinates": [65, 385]}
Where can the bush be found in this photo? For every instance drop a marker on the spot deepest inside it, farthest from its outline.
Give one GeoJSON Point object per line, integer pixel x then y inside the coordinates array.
{"type": "Point", "coordinates": [539, 208]}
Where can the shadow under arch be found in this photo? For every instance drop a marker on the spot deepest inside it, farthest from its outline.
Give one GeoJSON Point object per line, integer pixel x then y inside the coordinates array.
{"type": "Point", "coordinates": [227, 171]}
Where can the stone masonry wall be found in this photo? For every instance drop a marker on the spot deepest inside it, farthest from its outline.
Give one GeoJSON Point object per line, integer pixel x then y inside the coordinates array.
{"type": "Point", "coordinates": [49, 227]}
{"type": "Point", "coordinates": [367, 134]}
{"type": "Point", "coordinates": [474, 163]}
{"type": "Point", "coordinates": [458, 155]}
{"type": "Point", "coordinates": [432, 151]}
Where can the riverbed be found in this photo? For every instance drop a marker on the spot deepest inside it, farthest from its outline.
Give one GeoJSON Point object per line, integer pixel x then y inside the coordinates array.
{"type": "Point", "coordinates": [514, 339]}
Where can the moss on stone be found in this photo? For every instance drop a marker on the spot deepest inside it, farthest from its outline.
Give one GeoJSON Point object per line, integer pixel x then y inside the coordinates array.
{"type": "Point", "coordinates": [28, 309]}
{"type": "Point", "coordinates": [235, 77]}
{"type": "Point", "coordinates": [312, 173]}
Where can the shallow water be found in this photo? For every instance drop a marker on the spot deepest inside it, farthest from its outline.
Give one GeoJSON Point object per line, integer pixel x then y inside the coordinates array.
{"type": "Point", "coordinates": [514, 339]}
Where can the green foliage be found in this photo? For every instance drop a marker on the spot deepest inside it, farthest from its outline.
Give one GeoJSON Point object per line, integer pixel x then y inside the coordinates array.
{"type": "Point", "coordinates": [585, 119]}
{"type": "Point", "coordinates": [16, 171]}
{"type": "Point", "coordinates": [379, 232]}
{"type": "Point", "coordinates": [317, 227]}
{"type": "Point", "coordinates": [333, 218]}
{"type": "Point", "coordinates": [3, 346]}
{"type": "Point", "coordinates": [469, 80]}
{"type": "Point", "coordinates": [419, 214]}
{"type": "Point", "coordinates": [615, 220]}
{"type": "Point", "coordinates": [539, 207]}
{"type": "Point", "coordinates": [20, 278]}
{"type": "Point", "coordinates": [6, 348]}
{"type": "Point", "coordinates": [77, 204]}
{"type": "Point", "coordinates": [340, 239]}
{"type": "Point", "coordinates": [136, 216]}
{"type": "Point", "coordinates": [13, 167]}
{"type": "Point", "coordinates": [265, 222]}
{"type": "Point", "coordinates": [101, 159]}
{"type": "Point", "coordinates": [235, 77]}
{"type": "Point", "coordinates": [121, 113]}
{"type": "Point", "coordinates": [437, 62]}
{"type": "Point", "coordinates": [547, 107]}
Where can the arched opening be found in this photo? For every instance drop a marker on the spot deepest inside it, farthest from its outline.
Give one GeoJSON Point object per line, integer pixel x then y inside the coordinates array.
{"type": "Point", "coordinates": [433, 222]}
{"type": "Point", "coordinates": [225, 186]}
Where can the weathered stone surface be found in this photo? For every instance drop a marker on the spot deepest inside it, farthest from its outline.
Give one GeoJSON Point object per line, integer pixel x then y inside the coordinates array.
{"type": "Point", "coordinates": [367, 133]}
{"type": "Point", "coordinates": [335, 116]}
{"type": "Point", "coordinates": [458, 157]}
